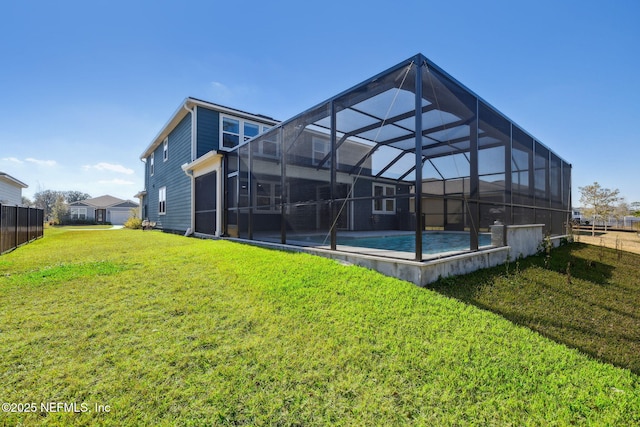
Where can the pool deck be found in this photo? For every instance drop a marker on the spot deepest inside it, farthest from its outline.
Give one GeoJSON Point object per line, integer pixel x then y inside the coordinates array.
{"type": "Point", "coordinates": [401, 265]}
{"type": "Point", "coordinates": [304, 241]}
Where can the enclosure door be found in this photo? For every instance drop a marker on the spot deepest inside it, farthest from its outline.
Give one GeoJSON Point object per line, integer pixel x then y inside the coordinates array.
{"type": "Point", "coordinates": [205, 203]}
{"type": "Point", "coordinates": [323, 212]}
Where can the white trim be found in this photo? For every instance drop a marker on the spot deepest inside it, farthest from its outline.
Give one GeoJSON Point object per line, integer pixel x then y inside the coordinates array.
{"type": "Point", "coordinates": [12, 180]}
{"type": "Point", "coordinates": [242, 138]}
{"type": "Point", "coordinates": [152, 164]}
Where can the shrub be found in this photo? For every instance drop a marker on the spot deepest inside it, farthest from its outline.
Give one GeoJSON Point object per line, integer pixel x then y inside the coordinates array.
{"type": "Point", "coordinates": [134, 223]}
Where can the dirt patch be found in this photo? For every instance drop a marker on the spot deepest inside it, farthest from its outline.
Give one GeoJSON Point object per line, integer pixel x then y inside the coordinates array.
{"type": "Point", "coordinates": [626, 241]}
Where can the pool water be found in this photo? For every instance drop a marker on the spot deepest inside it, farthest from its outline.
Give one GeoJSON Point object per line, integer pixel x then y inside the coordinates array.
{"type": "Point", "coordinates": [433, 242]}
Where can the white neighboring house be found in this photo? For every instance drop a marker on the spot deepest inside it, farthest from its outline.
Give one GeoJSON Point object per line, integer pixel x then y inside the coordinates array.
{"type": "Point", "coordinates": [11, 190]}
{"type": "Point", "coordinates": [102, 209]}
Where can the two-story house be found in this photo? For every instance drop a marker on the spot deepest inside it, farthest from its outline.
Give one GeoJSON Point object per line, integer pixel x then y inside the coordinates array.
{"type": "Point", "coordinates": [10, 190]}
{"type": "Point", "coordinates": [184, 163]}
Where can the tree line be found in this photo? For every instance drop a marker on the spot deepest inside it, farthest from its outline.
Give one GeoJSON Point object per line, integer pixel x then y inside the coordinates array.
{"type": "Point", "coordinates": [54, 203]}
{"type": "Point", "coordinates": [602, 204]}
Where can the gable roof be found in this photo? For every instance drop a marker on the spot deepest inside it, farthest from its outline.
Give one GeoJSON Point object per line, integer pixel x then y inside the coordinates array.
{"type": "Point", "coordinates": [105, 201]}
{"type": "Point", "coordinates": [11, 180]}
{"type": "Point", "coordinates": [187, 106]}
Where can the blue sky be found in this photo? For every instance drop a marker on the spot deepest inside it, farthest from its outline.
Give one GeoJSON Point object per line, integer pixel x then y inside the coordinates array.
{"type": "Point", "coordinates": [86, 85]}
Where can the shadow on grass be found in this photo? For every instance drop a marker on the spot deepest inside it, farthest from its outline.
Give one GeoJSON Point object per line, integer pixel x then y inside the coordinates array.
{"type": "Point", "coordinates": [587, 297]}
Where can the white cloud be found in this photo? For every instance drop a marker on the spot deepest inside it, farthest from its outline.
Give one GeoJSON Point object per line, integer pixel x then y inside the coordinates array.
{"type": "Point", "coordinates": [41, 162]}
{"type": "Point", "coordinates": [116, 181]}
{"type": "Point", "coordinates": [110, 167]}
{"type": "Point", "coordinates": [13, 160]}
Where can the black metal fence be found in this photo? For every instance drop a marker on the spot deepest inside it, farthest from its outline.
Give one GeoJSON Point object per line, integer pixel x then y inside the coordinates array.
{"type": "Point", "coordinates": [19, 225]}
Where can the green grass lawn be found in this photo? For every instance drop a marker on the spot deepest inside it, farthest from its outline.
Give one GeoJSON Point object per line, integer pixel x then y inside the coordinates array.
{"type": "Point", "coordinates": [166, 330]}
{"type": "Point", "coordinates": [587, 297]}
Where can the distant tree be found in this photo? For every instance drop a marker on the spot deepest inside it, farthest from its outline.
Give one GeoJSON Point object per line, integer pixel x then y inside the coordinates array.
{"type": "Point", "coordinates": [620, 211]}
{"type": "Point", "coordinates": [598, 202]}
{"type": "Point", "coordinates": [635, 209]}
{"type": "Point", "coordinates": [45, 199]}
{"type": "Point", "coordinates": [75, 196]}
{"type": "Point", "coordinates": [26, 201]}
{"type": "Point", "coordinates": [60, 210]}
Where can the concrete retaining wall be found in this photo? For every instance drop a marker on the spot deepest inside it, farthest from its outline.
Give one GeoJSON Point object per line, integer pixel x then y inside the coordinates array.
{"type": "Point", "coordinates": [522, 241]}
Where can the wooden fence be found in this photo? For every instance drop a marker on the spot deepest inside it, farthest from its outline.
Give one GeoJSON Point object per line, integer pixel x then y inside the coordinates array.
{"type": "Point", "coordinates": [19, 225]}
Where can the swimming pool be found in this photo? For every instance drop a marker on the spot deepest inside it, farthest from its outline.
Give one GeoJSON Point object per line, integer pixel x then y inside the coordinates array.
{"type": "Point", "coordinates": [433, 242]}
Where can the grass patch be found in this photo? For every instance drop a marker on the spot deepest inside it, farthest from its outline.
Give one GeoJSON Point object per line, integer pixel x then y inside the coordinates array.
{"type": "Point", "coordinates": [588, 298]}
{"type": "Point", "coordinates": [174, 331]}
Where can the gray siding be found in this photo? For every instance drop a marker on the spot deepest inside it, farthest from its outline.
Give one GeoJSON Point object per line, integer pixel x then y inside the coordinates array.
{"type": "Point", "coordinates": [10, 194]}
{"type": "Point", "coordinates": [208, 131]}
{"type": "Point", "coordinates": [169, 174]}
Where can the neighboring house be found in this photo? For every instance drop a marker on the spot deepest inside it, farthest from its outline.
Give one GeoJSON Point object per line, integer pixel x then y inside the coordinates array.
{"type": "Point", "coordinates": [103, 209]}
{"type": "Point", "coordinates": [184, 163]}
{"type": "Point", "coordinates": [10, 190]}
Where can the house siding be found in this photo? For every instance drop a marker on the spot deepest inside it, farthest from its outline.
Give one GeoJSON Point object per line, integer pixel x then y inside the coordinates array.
{"type": "Point", "coordinates": [10, 194]}
{"type": "Point", "coordinates": [208, 131]}
{"type": "Point", "coordinates": [169, 174]}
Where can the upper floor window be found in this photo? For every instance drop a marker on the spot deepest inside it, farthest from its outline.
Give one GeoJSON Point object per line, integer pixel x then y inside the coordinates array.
{"type": "Point", "coordinates": [151, 164]}
{"type": "Point", "coordinates": [165, 149]}
{"type": "Point", "coordinates": [250, 130]}
{"type": "Point", "coordinates": [235, 131]}
{"type": "Point", "coordinates": [230, 132]}
{"type": "Point", "coordinates": [319, 150]}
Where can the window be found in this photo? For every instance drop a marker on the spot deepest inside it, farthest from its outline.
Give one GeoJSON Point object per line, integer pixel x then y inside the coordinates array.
{"type": "Point", "coordinates": [162, 200]}
{"type": "Point", "coordinates": [319, 150]}
{"type": "Point", "coordinates": [250, 130]}
{"type": "Point", "coordinates": [165, 149]}
{"type": "Point", "coordinates": [267, 148]}
{"type": "Point", "coordinates": [268, 197]}
{"type": "Point", "coordinates": [151, 163]}
{"type": "Point", "coordinates": [230, 132]}
{"type": "Point", "coordinates": [235, 131]}
{"type": "Point", "coordinates": [77, 212]}
{"type": "Point", "coordinates": [382, 205]}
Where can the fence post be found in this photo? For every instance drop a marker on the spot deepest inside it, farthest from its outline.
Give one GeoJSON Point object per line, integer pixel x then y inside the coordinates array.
{"type": "Point", "coordinates": [17, 223]}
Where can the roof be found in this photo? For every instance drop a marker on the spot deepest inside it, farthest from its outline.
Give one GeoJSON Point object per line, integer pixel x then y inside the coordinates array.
{"type": "Point", "coordinates": [105, 201]}
{"type": "Point", "coordinates": [11, 180]}
{"type": "Point", "coordinates": [186, 107]}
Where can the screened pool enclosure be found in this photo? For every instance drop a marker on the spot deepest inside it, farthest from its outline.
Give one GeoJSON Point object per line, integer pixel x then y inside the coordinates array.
{"type": "Point", "coordinates": [406, 153]}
